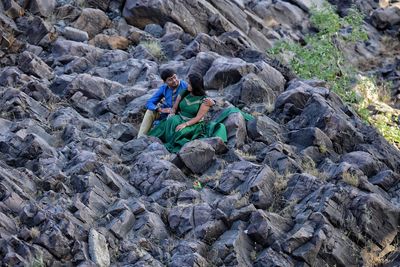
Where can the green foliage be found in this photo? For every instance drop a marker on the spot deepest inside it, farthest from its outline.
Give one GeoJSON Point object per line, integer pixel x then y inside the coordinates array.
{"type": "Point", "coordinates": [387, 129]}
{"type": "Point", "coordinates": [322, 56]}
{"type": "Point", "coordinates": [374, 93]}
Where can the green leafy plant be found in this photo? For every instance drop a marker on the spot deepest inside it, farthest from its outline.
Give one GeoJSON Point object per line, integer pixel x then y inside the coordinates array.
{"type": "Point", "coordinates": [375, 94]}
{"type": "Point", "coordinates": [321, 57]}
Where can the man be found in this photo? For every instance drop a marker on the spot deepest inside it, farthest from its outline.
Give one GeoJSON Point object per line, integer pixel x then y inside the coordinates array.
{"type": "Point", "coordinates": [169, 91]}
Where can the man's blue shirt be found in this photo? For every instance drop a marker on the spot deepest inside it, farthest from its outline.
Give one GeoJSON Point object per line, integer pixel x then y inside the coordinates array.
{"type": "Point", "coordinates": [167, 93]}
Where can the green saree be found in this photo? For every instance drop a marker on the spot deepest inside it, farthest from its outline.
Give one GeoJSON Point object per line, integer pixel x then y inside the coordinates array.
{"type": "Point", "coordinates": [189, 106]}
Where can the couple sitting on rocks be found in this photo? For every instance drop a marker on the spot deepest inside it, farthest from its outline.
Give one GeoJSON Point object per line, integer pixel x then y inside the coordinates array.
{"type": "Point", "coordinates": [181, 115]}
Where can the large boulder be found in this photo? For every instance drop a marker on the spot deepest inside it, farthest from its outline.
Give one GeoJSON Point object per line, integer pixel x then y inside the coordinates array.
{"type": "Point", "coordinates": [33, 65]}
{"type": "Point", "coordinates": [197, 156]}
{"type": "Point", "coordinates": [92, 21]}
{"type": "Point", "coordinates": [43, 8]}
{"type": "Point", "coordinates": [226, 71]}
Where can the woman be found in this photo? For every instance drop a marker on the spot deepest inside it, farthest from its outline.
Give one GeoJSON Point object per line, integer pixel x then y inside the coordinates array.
{"type": "Point", "coordinates": [188, 124]}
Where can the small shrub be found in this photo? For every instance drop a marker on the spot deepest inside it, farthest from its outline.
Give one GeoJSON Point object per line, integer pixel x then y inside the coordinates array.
{"type": "Point", "coordinates": [35, 232]}
{"type": "Point", "coordinates": [350, 179]}
{"type": "Point", "coordinates": [245, 155]}
{"type": "Point", "coordinates": [37, 262]}
{"type": "Point", "coordinates": [154, 48]}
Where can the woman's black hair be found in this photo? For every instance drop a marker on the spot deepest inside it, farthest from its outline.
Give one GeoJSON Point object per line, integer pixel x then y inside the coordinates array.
{"type": "Point", "coordinates": [165, 74]}
{"type": "Point", "coordinates": [196, 81]}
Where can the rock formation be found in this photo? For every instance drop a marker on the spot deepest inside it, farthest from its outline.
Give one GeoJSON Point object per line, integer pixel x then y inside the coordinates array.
{"type": "Point", "coordinates": [306, 183]}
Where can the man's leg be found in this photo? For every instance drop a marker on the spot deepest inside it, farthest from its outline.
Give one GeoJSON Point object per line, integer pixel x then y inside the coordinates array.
{"type": "Point", "coordinates": [147, 122]}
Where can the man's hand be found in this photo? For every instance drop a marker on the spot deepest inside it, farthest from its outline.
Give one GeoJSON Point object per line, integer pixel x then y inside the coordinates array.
{"type": "Point", "coordinates": [209, 102]}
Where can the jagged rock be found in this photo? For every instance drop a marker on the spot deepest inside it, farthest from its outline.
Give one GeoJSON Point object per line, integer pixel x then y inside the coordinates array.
{"type": "Point", "coordinates": [150, 226]}
{"type": "Point", "coordinates": [12, 9]}
{"type": "Point", "coordinates": [265, 228]}
{"type": "Point", "coordinates": [65, 49]}
{"type": "Point", "coordinates": [251, 89]}
{"type": "Point", "coordinates": [7, 224]}
{"type": "Point", "coordinates": [217, 144]}
{"type": "Point", "coordinates": [148, 173]}
{"type": "Point", "coordinates": [385, 17]}
{"type": "Point", "coordinates": [199, 218]}
{"type": "Point", "coordinates": [269, 257]}
{"type": "Point", "coordinates": [76, 65]}
{"type": "Point", "coordinates": [55, 242]}
{"type": "Point", "coordinates": [67, 12]}
{"type": "Point", "coordinates": [75, 34]}
{"type": "Point", "coordinates": [233, 248]}
{"type": "Point", "coordinates": [69, 161]}
{"type": "Point", "coordinates": [171, 47]}
{"type": "Point", "coordinates": [302, 110]}
{"type": "Point", "coordinates": [300, 186]}
{"type": "Point", "coordinates": [103, 4]}
{"type": "Point", "coordinates": [142, 52]}
{"type": "Point", "coordinates": [386, 179]}
{"type": "Point", "coordinates": [224, 72]}
{"type": "Point", "coordinates": [189, 196]}
{"type": "Point", "coordinates": [39, 92]}
{"type": "Point", "coordinates": [202, 62]}
{"type": "Point", "coordinates": [80, 251]}
{"type": "Point", "coordinates": [36, 29]}
{"type": "Point", "coordinates": [169, 192]}
{"type": "Point", "coordinates": [197, 155]}
{"type": "Point", "coordinates": [92, 21]}
{"type": "Point", "coordinates": [92, 87]}
{"type": "Point", "coordinates": [129, 72]}
{"type": "Point", "coordinates": [98, 249]}
{"type": "Point", "coordinates": [41, 7]}
{"type": "Point", "coordinates": [154, 29]}
{"type": "Point", "coordinates": [376, 217]}
{"type": "Point", "coordinates": [13, 76]}
{"type": "Point", "coordinates": [308, 4]}
{"type": "Point", "coordinates": [110, 42]}
{"type": "Point", "coordinates": [192, 259]}
{"type": "Point", "coordinates": [281, 158]}
{"type": "Point", "coordinates": [235, 174]}
{"type": "Point", "coordinates": [204, 43]}
{"type": "Point", "coordinates": [122, 223]}
{"type": "Point", "coordinates": [33, 65]}
{"type": "Point", "coordinates": [310, 137]}
{"type": "Point", "coordinates": [364, 161]}
{"type": "Point", "coordinates": [298, 236]}
{"type": "Point", "coordinates": [264, 129]}
{"type": "Point", "coordinates": [236, 130]}
{"type": "Point", "coordinates": [140, 14]}
{"type": "Point", "coordinates": [16, 104]}
{"type": "Point", "coordinates": [132, 149]}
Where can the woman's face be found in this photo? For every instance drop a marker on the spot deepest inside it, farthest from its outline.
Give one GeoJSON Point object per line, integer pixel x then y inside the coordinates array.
{"type": "Point", "coordinates": [190, 89]}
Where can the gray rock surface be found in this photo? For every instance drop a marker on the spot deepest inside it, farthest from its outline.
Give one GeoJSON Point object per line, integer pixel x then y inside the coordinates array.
{"type": "Point", "coordinates": [306, 183]}
{"type": "Point", "coordinates": [98, 249]}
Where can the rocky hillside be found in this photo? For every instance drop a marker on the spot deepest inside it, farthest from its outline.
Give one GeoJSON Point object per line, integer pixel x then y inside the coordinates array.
{"type": "Point", "coordinates": [306, 183]}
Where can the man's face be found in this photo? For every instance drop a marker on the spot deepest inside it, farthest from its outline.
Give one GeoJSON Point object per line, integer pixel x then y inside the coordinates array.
{"type": "Point", "coordinates": [172, 81]}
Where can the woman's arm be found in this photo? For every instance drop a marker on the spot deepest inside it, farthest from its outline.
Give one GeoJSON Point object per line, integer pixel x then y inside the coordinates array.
{"type": "Point", "coordinates": [200, 114]}
{"type": "Point", "coordinates": [176, 104]}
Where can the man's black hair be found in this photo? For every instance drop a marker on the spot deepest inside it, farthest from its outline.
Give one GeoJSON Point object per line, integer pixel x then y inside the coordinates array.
{"type": "Point", "coordinates": [165, 74]}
